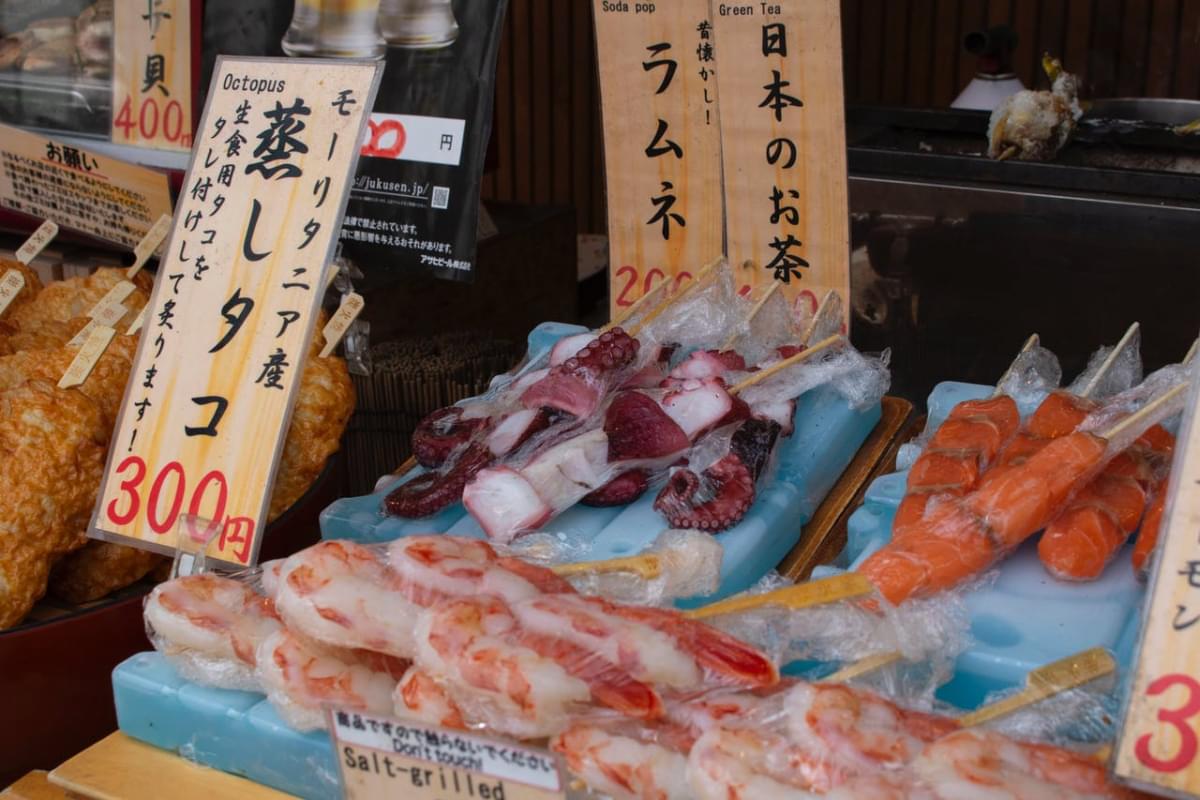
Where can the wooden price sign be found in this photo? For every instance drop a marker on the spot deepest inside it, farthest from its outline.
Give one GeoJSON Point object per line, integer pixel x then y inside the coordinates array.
{"type": "Point", "coordinates": [95, 194]}
{"type": "Point", "coordinates": [152, 74]}
{"type": "Point", "coordinates": [234, 308]}
{"type": "Point", "coordinates": [784, 145]}
{"type": "Point", "coordinates": [1159, 745]}
{"type": "Point", "coordinates": [662, 146]}
{"type": "Point", "coordinates": [385, 758]}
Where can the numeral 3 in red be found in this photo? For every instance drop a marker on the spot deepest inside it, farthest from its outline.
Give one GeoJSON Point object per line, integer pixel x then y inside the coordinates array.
{"type": "Point", "coordinates": [1180, 719]}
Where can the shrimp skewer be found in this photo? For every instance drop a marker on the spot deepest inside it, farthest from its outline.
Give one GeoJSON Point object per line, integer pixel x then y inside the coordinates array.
{"type": "Point", "coordinates": [300, 678]}
{"type": "Point", "coordinates": [209, 627]}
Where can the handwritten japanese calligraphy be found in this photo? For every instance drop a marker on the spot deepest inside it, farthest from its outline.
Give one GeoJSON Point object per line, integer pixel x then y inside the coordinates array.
{"type": "Point", "coordinates": [152, 74]}
{"type": "Point", "coordinates": [216, 373]}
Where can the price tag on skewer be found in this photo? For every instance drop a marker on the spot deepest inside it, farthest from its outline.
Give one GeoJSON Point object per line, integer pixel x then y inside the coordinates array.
{"type": "Point", "coordinates": [115, 296]}
{"type": "Point", "coordinates": [149, 243]}
{"type": "Point", "coordinates": [335, 329]}
{"type": "Point", "coordinates": [10, 286]}
{"type": "Point", "coordinates": [385, 758]}
{"type": "Point", "coordinates": [138, 321]}
{"type": "Point", "coordinates": [37, 242]}
{"type": "Point", "coordinates": [81, 366]}
{"type": "Point", "coordinates": [104, 314]}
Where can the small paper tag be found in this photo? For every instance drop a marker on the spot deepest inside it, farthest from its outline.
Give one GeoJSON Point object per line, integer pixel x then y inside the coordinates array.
{"type": "Point", "coordinates": [335, 329]}
{"type": "Point", "coordinates": [78, 339]}
{"type": "Point", "coordinates": [110, 314]}
{"type": "Point", "coordinates": [81, 366]}
{"type": "Point", "coordinates": [149, 243]}
{"type": "Point", "coordinates": [37, 242]}
{"type": "Point", "coordinates": [116, 295]}
{"type": "Point", "coordinates": [384, 758]}
{"type": "Point", "coordinates": [10, 286]}
{"type": "Point", "coordinates": [138, 321]}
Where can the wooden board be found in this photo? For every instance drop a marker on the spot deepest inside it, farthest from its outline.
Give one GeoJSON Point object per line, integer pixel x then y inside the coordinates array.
{"type": "Point", "coordinates": [79, 189]}
{"type": "Point", "coordinates": [152, 74]}
{"type": "Point", "coordinates": [1159, 746]}
{"type": "Point", "coordinates": [784, 145]}
{"type": "Point", "coordinates": [35, 785]}
{"type": "Point", "coordinates": [825, 534]}
{"type": "Point", "coordinates": [120, 768]}
{"type": "Point", "coordinates": [662, 145]}
{"type": "Point", "coordinates": [210, 396]}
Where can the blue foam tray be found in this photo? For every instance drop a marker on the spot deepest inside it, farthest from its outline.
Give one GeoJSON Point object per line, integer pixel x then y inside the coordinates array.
{"type": "Point", "coordinates": [1026, 618]}
{"type": "Point", "coordinates": [827, 435]}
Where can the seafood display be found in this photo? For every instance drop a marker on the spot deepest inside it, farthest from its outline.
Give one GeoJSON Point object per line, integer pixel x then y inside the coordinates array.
{"type": "Point", "coordinates": [1035, 125]}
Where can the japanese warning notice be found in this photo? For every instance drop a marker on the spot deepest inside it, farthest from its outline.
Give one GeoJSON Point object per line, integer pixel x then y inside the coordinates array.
{"type": "Point", "coordinates": [662, 142]}
{"type": "Point", "coordinates": [235, 303]}
{"type": "Point", "coordinates": [784, 145]}
{"type": "Point", "coordinates": [76, 188]}
{"type": "Point", "coordinates": [1159, 745]}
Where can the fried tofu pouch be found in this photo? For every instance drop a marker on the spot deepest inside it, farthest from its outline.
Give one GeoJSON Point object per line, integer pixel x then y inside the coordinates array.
{"type": "Point", "coordinates": [63, 301]}
{"type": "Point", "coordinates": [52, 449]}
{"type": "Point", "coordinates": [323, 406]}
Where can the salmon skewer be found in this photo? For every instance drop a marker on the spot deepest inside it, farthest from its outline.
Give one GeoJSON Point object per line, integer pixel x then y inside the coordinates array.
{"type": "Point", "coordinates": [1079, 544]}
{"type": "Point", "coordinates": [962, 447]}
{"type": "Point", "coordinates": [962, 537]}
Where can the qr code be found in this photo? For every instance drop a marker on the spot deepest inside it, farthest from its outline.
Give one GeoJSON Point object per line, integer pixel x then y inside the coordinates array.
{"type": "Point", "coordinates": [441, 197]}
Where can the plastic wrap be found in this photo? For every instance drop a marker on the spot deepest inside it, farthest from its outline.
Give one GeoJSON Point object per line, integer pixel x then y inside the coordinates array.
{"type": "Point", "coordinates": [1077, 718]}
{"type": "Point", "coordinates": [1124, 371]}
{"type": "Point", "coordinates": [773, 326]}
{"type": "Point", "coordinates": [705, 317]}
{"type": "Point", "coordinates": [208, 627]}
{"type": "Point", "coordinates": [300, 678]}
{"type": "Point", "coordinates": [689, 563]}
{"type": "Point", "coordinates": [859, 378]}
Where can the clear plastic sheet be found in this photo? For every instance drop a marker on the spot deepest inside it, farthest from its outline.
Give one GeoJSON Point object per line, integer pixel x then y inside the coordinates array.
{"type": "Point", "coordinates": [773, 326]}
{"type": "Point", "coordinates": [704, 318]}
{"type": "Point", "coordinates": [1124, 372]}
{"type": "Point", "coordinates": [1076, 718]}
{"type": "Point", "coordinates": [860, 378]}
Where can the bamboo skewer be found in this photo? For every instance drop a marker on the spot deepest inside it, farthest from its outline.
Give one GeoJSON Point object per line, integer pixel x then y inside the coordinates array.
{"type": "Point", "coordinates": [864, 666]}
{"type": "Point", "coordinates": [654, 313]}
{"type": "Point", "coordinates": [1191, 352]}
{"type": "Point", "coordinates": [1149, 409]}
{"type": "Point", "coordinates": [818, 315]}
{"type": "Point", "coordinates": [621, 318]}
{"type": "Point", "coordinates": [1030, 343]}
{"type": "Point", "coordinates": [762, 375]}
{"type": "Point", "coordinates": [647, 566]}
{"type": "Point", "coordinates": [1046, 682]}
{"type": "Point", "coordinates": [758, 306]}
{"type": "Point", "coordinates": [803, 595]}
{"type": "Point", "coordinates": [1119, 348]}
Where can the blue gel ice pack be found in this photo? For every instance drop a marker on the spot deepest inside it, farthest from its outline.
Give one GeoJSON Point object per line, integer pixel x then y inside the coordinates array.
{"type": "Point", "coordinates": [1026, 617]}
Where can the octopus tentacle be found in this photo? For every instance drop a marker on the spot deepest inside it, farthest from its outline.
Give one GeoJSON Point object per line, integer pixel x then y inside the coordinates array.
{"type": "Point", "coordinates": [440, 433]}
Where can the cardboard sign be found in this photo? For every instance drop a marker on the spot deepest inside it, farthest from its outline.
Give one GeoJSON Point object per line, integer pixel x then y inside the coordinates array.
{"type": "Point", "coordinates": [95, 194]}
{"type": "Point", "coordinates": [10, 286]}
{"type": "Point", "coordinates": [1159, 745]}
{"type": "Point", "coordinates": [662, 142]}
{"type": "Point", "coordinates": [37, 242]}
{"type": "Point", "coordinates": [784, 145]}
{"type": "Point", "coordinates": [152, 74]}
{"type": "Point", "coordinates": [235, 304]}
{"type": "Point", "coordinates": [386, 758]}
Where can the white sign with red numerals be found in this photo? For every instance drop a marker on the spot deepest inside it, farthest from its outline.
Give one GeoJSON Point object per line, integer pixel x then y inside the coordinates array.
{"type": "Point", "coordinates": [1159, 745]}
{"type": "Point", "coordinates": [407, 137]}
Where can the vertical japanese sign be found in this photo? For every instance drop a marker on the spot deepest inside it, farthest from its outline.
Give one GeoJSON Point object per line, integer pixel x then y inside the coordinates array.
{"type": "Point", "coordinates": [152, 73]}
{"type": "Point", "coordinates": [662, 142]}
{"type": "Point", "coordinates": [234, 307]}
{"type": "Point", "coordinates": [1159, 744]}
{"type": "Point", "coordinates": [784, 145]}
{"type": "Point", "coordinates": [79, 189]}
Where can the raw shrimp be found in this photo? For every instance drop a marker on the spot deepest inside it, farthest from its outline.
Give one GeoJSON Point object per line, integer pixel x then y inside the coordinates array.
{"type": "Point", "coordinates": [751, 765]}
{"type": "Point", "coordinates": [341, 594]}
{"type": "Point", "coordinates": [622, 765]}
{"type": "Point", "coordinates": [419, 696]}
{"type": "Point", "coordinates": [432, 568]}
{"type": "Point", "coordinates": [858, 730]}
{"type": "Point", "coordinates": [300, 677]}
{"type": "Point", "coordinates": [514, 681]}
{"type": "Point", "coordinates": [209, 627]}
{"type": "Point", "coordinates": [268, 577]}
{"type": "Point", "coordinates": [961, 448]}
{"type": "Point", "coordinates": [978, 765]}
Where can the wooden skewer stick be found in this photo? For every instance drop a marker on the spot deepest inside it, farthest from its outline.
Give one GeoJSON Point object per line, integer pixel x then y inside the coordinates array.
{"type": "Point", "coordinates": [802, 595]}
{"type": "Point", "coordinates": [758, 306]}
{"type": "Point", "coordinates": [864, 666]}
{"type": "Point", "coordinates": [762, 375]}
{"type": "Point", "coordinates": [621, 318]}
{"type": "Point", "coordinates": [646, 566]}
{"type": "Point", "coordinates": [1150, 408]}
{"type": "Point", "coordinates": [1030, 343]}
{"type": "Point", "coordinates": [1094, 382]}
{"type": "Point", "coordinates": [667, 303]}
{"type": "Point", "coordinates": [827, 302]}
{"type": "Point", "coordinates": [1047, 681]}
{"type": "Point", "coordinates": [1191, 352]}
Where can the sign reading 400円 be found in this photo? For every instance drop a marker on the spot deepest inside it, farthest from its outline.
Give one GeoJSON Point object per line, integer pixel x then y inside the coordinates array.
{"type": "Point", "coordinates": [234, 307]}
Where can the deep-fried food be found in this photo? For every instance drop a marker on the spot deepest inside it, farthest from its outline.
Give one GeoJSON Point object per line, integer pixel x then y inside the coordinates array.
{"type": "Point", "coordinates": [51, 459]}
{"type": "Point", "coordinates": [63, 301]}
